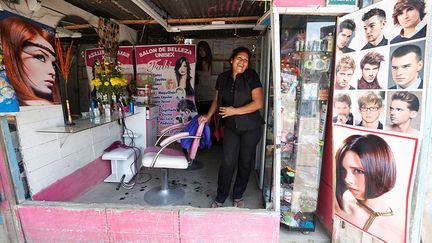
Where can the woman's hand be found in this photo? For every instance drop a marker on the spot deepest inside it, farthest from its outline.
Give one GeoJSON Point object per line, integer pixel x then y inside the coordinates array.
{"type": "Point", "coordinates": [227, 111]}
{"type": "Point", "coordinates": [203, 119]}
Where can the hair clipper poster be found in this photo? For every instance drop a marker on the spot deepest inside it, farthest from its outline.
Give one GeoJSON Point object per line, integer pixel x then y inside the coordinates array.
{"type": "Point", "coordinates": [28, 63]}
{"type": "Point", "coordinates": [170, 71]}
{"type": "Point", "coordinates": [379, 99]}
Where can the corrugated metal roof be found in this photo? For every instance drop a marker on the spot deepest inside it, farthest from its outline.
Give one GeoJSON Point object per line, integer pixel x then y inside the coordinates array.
{"type": "Point", "coordinates": [178, 9]}
{"type": "Point", "coordinates": [210, 8]}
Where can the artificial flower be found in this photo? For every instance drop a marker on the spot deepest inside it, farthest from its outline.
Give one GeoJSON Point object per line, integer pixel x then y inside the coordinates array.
{"type": "Point", "coordinates": [108, 74]}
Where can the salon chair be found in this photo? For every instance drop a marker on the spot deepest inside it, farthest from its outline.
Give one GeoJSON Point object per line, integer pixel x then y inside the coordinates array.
{"type": "Point", "coordinates": [196, 165]}
{"type": "Point", "coordinates": [168, 158]}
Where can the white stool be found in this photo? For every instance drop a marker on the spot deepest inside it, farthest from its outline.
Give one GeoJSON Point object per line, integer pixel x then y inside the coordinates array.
{"type": "Point", "coordinates": [121, 164]}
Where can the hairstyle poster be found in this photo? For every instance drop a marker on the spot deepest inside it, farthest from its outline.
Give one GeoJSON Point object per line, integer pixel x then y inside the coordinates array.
{"type": "Point", "coordinates": [27, 64]}
{"type": "Point", "coordinates": [170, 72]}
{"type": "Point", "coordinates": [374, 173]}
{"type": "Point", "coordinates": [124, 58]}
{"type": "Point", "coordinates": [379, 91]}
{"type": "Point", "coordinates": [379, 80]}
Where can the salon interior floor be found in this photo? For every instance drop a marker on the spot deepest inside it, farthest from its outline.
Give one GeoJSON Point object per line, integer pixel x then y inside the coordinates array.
{"type": "Point", "coordinates": [200, 187]}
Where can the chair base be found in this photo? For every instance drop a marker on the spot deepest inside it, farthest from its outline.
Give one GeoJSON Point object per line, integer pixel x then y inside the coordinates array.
{"type": "Point", "coordinates": [158, 197]}
{"type": "Point", "coordinates": [196, 165]}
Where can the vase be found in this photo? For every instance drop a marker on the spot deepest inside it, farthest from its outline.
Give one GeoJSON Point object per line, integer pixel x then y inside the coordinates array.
{"type": "Point", "coordinates": [106, 104]}
{"type": "Point", "coordinates": [107, 110]}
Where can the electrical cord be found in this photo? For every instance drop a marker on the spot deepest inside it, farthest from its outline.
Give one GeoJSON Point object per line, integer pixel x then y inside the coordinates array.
{"type": "Point", "coordinates": [134, 165]}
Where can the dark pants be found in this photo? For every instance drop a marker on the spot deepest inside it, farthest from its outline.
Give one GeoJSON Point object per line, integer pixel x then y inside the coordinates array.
{"type": "Point", "coordinates": [239, 148]}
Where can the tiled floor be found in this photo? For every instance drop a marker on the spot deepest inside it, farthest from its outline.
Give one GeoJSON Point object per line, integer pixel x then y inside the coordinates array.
{"type": "Point", "coordinates": [200, 189]}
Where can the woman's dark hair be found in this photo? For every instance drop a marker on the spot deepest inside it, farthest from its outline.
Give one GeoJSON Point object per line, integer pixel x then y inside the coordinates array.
{"type": "Point", "coordinates": [378, 163]}
{"type": "Point", "coordinates": [208, 57]}
{"type": "Point", "coordinates": [238, 50]}
{"type": "Point", "coordinates": [179, 62]}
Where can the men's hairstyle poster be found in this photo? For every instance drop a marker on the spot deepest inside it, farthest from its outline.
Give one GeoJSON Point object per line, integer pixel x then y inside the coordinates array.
{"type": "Point", "coordinates": [172, 72]}
{"type": "Point", "coordinates": [389, 55]}
{"type": "Point", "coordinates": [386, 91]}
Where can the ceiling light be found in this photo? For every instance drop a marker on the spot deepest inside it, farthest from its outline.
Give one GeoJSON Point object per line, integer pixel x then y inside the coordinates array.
{"type": "Point", "coordinates": [213, 27]}
{"type": "Point", "coordinates": [64, 33]}
{"type": "Point", "coordinates": [218, 22]}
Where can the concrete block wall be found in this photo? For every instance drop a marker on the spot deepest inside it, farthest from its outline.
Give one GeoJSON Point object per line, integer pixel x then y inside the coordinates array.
{"type": "Point", "coordinates": [48, 157]}
{"type": "Point", "coordinates": [68, 222]}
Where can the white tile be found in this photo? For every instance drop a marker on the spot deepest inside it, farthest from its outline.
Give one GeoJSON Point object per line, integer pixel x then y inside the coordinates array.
{"type": "Point", "coordinates": [32, 114]}
{"type": "Point", "coordinates": [75, 142]}
{"type": "Point", "coordinates": [39, 156]}
{"type": "Point", "coordinates": [29, 135]}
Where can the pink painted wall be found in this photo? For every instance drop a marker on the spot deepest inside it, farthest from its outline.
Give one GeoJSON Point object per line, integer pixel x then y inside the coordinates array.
{"type": "Point", "coordinates": [229, 226]}
{"type": "Point", "coordinates": [62, 222]}
{"type": "Point", "coordinates": [294, 3]}
{"type": "Point", "coordinates": [143, 225]}
{"type": "Point", "coordinates": [5, 186]}
{"type": "Point", "coordinates": [77, 183]}
{"type": "Point", "coordinates": [81, 224]}
{"type": "Point", "coordinates": [8, 216]}
{"type": "Point", "coordinates": [50, 224]}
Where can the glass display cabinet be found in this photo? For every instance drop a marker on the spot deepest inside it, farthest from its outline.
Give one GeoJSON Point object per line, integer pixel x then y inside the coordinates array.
{"type": "Point", "coordinates": [298, 115]}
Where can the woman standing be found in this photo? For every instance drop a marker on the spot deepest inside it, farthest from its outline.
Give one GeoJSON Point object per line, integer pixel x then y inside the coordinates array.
{"type": "Point", "coordinates": [29, 61]}
{"type": "Point", "coordinates": [238, 98]}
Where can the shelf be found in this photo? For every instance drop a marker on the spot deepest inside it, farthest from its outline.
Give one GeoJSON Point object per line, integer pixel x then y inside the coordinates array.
{"type": "Point", "coordinates": [84, 124]}
{"type": "Point", "coordinates": [312, 52]}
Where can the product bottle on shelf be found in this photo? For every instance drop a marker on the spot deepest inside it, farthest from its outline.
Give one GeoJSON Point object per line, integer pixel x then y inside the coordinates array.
{"type": "Point", "coordinates": [330, 42]}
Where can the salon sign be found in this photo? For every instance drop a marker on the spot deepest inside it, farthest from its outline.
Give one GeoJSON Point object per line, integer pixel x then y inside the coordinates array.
{"type": "Point", "coordinates": [170, 72]}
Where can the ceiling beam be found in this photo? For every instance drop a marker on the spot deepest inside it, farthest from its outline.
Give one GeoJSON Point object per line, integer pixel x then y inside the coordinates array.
{"type": "Point", "coordinates": [152, 13]}
{"type": "Point", "coordinates": [194, 20]}
{"type": "Point", "coordinates": [171, 21]}
{"type": "Point", "coordinates": [179, 28]}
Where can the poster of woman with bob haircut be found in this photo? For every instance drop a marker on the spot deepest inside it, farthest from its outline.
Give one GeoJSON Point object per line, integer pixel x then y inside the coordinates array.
{"type": "Point", "coordinates": [373, 172]}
